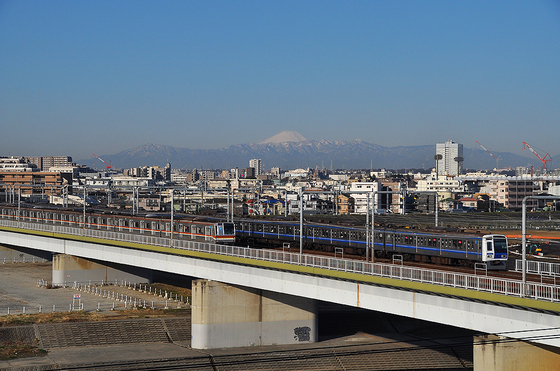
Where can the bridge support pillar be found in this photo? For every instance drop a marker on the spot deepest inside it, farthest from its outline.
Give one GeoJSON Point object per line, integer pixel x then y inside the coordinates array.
{"type": "Point", "coordinates": [499, 353]}
{"type": "Point", "coordinates": [68, 269]}
{"type": "Point", "coordinates": [225, 316]}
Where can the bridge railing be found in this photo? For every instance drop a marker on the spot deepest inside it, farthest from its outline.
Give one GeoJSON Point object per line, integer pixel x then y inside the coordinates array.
{"type": "Point", "coordinates": [534, 290]}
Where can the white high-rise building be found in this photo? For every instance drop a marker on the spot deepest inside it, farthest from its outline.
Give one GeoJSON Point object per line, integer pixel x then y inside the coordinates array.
{"type": "Point", "coordinates": [256, 164]}
{"type": "Point", "coordinates": [449, 158]}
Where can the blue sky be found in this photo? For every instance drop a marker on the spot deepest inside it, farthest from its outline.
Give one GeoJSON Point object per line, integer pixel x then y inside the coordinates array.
{"type": "Point", "coordinates": [78, 77]}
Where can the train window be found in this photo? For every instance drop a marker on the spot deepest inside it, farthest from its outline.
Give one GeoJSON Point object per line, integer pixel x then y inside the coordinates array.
{"type": "Point", "coordinates": [500, 245]}
{"type": "Point", "coordinates": [229, 228]}
{"type": "Point", "coordinates": [362, 236]}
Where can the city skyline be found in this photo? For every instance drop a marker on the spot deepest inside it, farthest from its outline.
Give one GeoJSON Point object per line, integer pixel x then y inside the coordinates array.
{"type": "Point", "coordinates": [104, 77]}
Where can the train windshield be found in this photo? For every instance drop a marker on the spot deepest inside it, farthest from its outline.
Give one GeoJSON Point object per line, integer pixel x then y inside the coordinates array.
{"type": "Point", "coordinates": [229, 228]}
{"type": "Point", "coordinates": [500, 245]}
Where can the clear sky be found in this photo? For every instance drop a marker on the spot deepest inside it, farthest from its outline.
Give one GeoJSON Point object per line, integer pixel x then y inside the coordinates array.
{"type": "Point", "coordinates": [78, 77]}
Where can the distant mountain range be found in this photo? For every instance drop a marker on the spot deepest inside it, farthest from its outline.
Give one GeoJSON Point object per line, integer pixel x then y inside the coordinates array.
{"type": "Point", "coordinates": [290, 150]}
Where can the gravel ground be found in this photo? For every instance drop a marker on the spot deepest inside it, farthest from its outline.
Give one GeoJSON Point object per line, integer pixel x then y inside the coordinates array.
{"type": "Point", "coordinates": [19, 290]}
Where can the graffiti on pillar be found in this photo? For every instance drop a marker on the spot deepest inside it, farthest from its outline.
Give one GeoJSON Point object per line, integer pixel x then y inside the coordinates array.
{"type": "Point", "coordinates": [302, 333]}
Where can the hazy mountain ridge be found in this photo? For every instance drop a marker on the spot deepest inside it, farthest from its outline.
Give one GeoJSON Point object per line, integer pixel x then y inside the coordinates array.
{"type": "Point", "coordinates": [307, 153]}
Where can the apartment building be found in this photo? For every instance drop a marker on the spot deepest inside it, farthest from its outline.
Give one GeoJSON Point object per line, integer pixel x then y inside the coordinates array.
{"type": "Point", "coordinates": [45, 163]}
{"type": "Point", "coordinates": [361, 199]}
{"type": "Point", "coordinates": [16, 164]}
{"type": "Point", "coordinates": [510, 192]}
{"type": "Point", "coordinates": [256, 164]}
{"type": "Point", "coordinates": [32, 182]}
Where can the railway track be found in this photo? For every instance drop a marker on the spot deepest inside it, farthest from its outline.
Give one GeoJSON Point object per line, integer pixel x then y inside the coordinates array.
{"type": "Point", "coordinates": [422, 355]}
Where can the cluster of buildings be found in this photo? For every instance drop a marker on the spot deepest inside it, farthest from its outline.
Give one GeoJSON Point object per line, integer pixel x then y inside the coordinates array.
{"type": "Point", "coordinates": [257, 191]}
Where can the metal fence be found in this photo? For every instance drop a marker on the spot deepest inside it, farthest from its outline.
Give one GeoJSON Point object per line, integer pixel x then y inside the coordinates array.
{"type": "Point", "coordinates": [538, 267]}
{"type": "Point", "coordinates": [533, 290]}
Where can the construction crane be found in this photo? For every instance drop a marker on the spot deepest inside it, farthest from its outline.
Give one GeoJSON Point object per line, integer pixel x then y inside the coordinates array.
{"type": "Point", "coordinates": [490, 153]}
{"type": "Point", "coordinates": [543, 159]}
{"type": "Point", "coordinates": [100, 159]}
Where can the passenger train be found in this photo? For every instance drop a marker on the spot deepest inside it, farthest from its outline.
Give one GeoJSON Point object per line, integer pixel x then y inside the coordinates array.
{"type": "Point", "coordinates": [147, 224]}
{"type": "Point", "coordinates": [438, 246]}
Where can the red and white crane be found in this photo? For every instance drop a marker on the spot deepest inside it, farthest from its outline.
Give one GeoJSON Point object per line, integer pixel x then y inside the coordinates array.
{"type": "Point", "coordinates": [100, 159]}
{"type": "Point", "coordinates": [490, 153]}
{"type": "Point", "coordinates": [543, 159]}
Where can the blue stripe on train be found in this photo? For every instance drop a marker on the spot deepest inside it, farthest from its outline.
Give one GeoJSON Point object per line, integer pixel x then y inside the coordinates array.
{"type": "Point", "coordinates": [409, 247]}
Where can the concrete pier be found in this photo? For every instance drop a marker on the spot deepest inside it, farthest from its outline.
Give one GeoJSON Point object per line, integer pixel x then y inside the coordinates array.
{"type": "Point", "coordinates": [68, 269]}
{"type": "Point", "coordinates": [499, 353]}
{"type": "Point", "coordinates": [226, 316]}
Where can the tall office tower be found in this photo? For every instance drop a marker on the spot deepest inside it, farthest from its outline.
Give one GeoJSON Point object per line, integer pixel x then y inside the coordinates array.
{"type": "Point", "coordinates": [256, 164]}
{"type": "Point", "coordinates": [449, 158]}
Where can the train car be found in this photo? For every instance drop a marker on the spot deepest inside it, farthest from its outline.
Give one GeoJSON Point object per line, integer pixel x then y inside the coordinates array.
{"type": "Point", "coordinates": [443, 247]}
{"type": "Point", "coordinates": [149, 224]}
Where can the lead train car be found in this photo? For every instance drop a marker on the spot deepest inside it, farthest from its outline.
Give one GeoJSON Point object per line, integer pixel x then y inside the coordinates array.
{"type": "Point", "coordinates": [151, 224]}
{"type": "Point", "coordinates": [444, 248]}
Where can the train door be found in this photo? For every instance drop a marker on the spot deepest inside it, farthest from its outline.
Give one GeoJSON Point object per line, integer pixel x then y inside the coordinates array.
{"type": "Point", "coordinates": [208, 233]}
{"type": "Point", "coordinates": [487, 249]}
{"type": "Point", "coordinates": [389, 241]}
{"type": "Point", "coordinates": [193, 231]}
